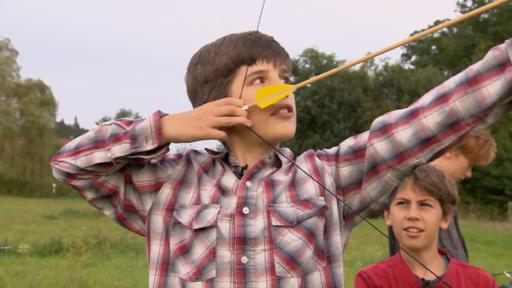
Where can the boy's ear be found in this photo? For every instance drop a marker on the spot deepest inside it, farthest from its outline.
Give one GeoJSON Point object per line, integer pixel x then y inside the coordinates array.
{"type": "Point", "coordinates": [449, 154]}
{"type": "Point", "coordinates": [386, 217]}
{"type": "Point", "coordinates": [446, 220]}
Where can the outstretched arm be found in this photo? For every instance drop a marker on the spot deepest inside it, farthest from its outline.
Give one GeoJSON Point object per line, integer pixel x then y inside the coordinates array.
{"type": "Point", "coordinates": [366, 168]}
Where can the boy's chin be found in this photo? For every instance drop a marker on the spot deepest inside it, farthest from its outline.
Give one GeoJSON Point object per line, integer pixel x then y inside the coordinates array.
{"type": "Point", "coordinates": [278, 137]}
{"type": "Point", "coordinates": [414, 246]}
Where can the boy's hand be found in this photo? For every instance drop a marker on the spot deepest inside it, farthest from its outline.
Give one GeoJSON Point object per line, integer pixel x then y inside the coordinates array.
{"type": "Point", "coordinates": [204, 122]}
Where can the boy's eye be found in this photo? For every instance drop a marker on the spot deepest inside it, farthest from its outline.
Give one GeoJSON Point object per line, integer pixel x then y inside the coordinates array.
{"type": "Point", "coordinates": [286, 79]}
{"type": "Point", "coordinates": [426, 205]}
{"type": "Point", "coordinates": [401, 203]}
{"type": "Point", "coordinates": [258, 81]}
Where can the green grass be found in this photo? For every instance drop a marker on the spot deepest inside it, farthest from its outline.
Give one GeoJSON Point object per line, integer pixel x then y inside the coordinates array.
{"type": "Point", "coordinates": [65, 243]}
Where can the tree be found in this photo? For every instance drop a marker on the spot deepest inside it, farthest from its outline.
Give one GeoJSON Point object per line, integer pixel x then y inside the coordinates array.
{"type": "Point", "coordinates": [9, 75]}
{"type": "Point", "coordinates": [453, 49]}
{"type": "Point", "coordinates": [324, 108]}
{"type": "Point", "coordinates": [68, 131]}
{"type": "Point", "coordinates": [121, 113]}
{"type": "Point", "coordinates": [27, 117]}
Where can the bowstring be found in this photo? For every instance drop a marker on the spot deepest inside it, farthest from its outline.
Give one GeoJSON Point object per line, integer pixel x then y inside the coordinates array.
{"type": "Point", "coordinates": [257, 29]}
{"type": "Point", "coordinates": [293, 162]}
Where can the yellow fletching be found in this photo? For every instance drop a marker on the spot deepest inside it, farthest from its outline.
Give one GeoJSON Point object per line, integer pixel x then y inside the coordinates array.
{"type": "Point", "coordinates": [269, 95]}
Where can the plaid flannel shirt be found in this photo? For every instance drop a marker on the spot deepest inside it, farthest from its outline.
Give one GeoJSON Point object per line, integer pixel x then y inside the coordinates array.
{"type": "Point", "coordinates": [273, 227]}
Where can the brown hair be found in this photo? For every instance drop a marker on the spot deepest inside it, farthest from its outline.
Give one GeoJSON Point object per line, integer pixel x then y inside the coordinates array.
{"type": "Point", "coordinates": [436, 184]}
{"type": "Point", "coordinates": [212, 68]}
{"type": "Point", "coordinates": [479, 148]}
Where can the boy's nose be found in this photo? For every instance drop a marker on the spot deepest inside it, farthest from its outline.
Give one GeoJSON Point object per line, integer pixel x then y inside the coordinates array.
{"type": "Point", "coordinates": [412, 214]}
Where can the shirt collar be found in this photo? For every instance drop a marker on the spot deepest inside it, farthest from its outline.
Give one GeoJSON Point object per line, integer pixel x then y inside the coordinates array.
{"type": "Point", "coordinates": [410, 277]}
{"type": "Point", "coordinates": [272, 160]}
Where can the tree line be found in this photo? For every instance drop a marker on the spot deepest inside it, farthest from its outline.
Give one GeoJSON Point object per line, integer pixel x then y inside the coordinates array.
{"type": "Point", "coordinates": [29, 131]}
{"type": "Point", "coordinates": [332, 109]}
{"type": "Point", "coordinates": [27, 115]}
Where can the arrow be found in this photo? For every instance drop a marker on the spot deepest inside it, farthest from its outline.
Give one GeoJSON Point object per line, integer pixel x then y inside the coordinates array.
{"type": "Point", "coordinates": [269, 95]}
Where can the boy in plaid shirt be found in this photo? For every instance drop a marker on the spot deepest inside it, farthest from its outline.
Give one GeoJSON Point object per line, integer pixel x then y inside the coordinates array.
{"type": "Point", "coordinates": [248, 216]}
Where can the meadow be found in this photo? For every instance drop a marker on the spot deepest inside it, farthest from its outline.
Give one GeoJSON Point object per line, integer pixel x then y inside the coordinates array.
{"type": "Point", "coordinates": [63, 242]}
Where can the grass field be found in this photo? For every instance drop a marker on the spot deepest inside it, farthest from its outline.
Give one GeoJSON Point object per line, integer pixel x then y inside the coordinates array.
{"type": "Point", "coordinates": [65, 243]}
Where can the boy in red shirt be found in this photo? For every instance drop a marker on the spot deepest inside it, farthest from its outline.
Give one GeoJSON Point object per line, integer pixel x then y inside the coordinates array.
{"type": "Point", "coordinates": [479, 149]}
{"type": "Point", "coordinates": [422, 205]}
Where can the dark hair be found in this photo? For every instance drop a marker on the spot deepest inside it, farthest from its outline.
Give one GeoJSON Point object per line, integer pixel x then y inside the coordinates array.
{"type": "Point", "coordinates": [212, 68]}
{"type": "Point", "coordinates": [435, 183]}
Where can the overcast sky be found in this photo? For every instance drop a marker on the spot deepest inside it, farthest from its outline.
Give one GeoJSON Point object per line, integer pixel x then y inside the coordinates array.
{"type": "Point", "coordinates": [102, 55]}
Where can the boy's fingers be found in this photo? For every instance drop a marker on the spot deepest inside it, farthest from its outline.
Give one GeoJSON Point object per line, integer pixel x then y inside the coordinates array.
{"type": "Point", "coordinates": [217, 135]}
{"type": "Point", "coordinates": [230, 101]}
{"type": "Point", "coordinates": [231, 111]}
{"type": "Point", "coordinates": [232, 121]}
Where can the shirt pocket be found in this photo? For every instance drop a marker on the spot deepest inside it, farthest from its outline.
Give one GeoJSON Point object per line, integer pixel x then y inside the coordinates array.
{"type": "Point", "coordinates": [192, 241]}
{"type": "Point", "coordinates": [298, 236]}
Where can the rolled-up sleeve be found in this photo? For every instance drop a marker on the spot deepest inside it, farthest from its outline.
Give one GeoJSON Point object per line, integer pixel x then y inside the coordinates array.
{"type": "Point", "coordinates": [118, 167]}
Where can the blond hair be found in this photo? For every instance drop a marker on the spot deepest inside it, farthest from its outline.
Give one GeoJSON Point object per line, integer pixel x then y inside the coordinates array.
{"type": "Point", "coordinates": [479, 148]}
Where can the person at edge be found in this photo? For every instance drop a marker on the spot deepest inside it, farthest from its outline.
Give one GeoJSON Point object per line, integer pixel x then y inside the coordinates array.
{"type": "Point", "coordinates": [247, 215]}
{"type": "Point", "coordinates": [478, 149]}
{"type": "Point", "coordinates": [422, 206]}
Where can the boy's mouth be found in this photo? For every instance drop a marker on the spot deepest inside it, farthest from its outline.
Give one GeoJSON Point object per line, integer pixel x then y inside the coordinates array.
{"type": "Point", "coordinates": [413, 231]}
{"type": "Point", "coordinates": [282, 110]}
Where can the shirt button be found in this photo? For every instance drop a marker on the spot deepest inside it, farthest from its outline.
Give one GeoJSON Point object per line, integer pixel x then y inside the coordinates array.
{"type": "Point", "coordinates": [246, 210]}
{"type": "Point", "coordinates": [248, 183]}
{"type": "Point", "coordinates": [244, 259]}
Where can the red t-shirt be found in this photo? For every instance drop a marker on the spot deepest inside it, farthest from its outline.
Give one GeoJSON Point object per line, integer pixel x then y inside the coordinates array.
{"type": "Point", "coordinates": [394, 273]}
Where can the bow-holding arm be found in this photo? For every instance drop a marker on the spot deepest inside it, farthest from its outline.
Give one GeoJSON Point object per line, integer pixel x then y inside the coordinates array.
{"type": "Point", "coordinates": [367, 167]}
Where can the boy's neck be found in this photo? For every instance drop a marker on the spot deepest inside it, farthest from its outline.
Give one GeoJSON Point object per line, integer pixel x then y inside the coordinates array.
{"type": "Point", "coordinates": [248, 149]}
{"type": "Point", "coordinates": [430, 258]}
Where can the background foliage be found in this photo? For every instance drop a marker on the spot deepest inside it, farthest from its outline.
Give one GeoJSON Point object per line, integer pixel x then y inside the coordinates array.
{"type": "Point", "coordinates": [27, 118]}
